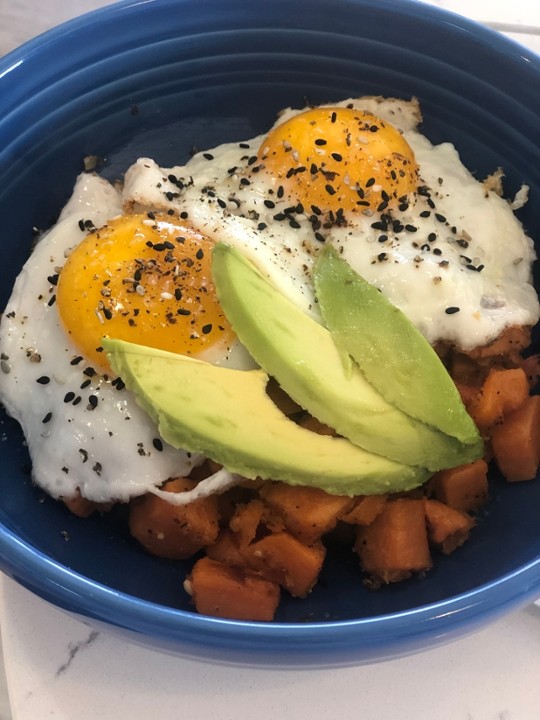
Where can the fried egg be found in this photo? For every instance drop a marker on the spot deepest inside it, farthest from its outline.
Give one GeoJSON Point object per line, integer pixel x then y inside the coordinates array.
{"type": "Point", "coordinates": [134, 263]}
{"type": "Point", "coordinates": [406, 214]}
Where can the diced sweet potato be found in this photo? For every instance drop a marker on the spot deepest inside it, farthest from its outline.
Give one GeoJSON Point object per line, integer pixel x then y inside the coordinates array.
{"type": "Point", "coordinates": [308, 512]}
{"type": "Point", "coordinates": [226, 592]}
{"type": "Point", "coordinates": [395, 545]}
{"type": "Point", "coordinates": [226, 549]}
{"type": "Point", "coordinates": [310, 423]}
{"type": "Point", "coordinates": [246, 521]}
{"type": "Point", "coordinates": [464, 370]}
{"type": "Point", "coordinates": [463, 488]}
{"type": "Point", "coordinates": [171, 531]}
{"type": "Point", "coordinates": [365, 510]}
{"type": "Point", "coordinates": [509, 344]}
{"type": "Point", "coordinates": [280, 398]}
{"type": "Point", "coordinates": [516, 441]}
{"type": "Point", "coordinates": [284, 559]}
{"type": "Point", "coordinates": [503, 391]}
{"type": "Point", "coordinates": [531, 366]}
{"type": "Point", "coordinates": [82, 507]}
{"type": "Point", "coordinates": [204, 470]}
{"type": "Point", "coordinates": [447, 528]}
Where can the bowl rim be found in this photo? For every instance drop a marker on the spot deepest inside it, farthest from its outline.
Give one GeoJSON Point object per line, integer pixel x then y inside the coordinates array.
{"type": "Point", "coordinates": [26, 563]}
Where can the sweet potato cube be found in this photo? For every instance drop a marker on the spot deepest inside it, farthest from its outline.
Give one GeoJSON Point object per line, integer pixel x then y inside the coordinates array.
{"type": "Point", "coordinates": [172, 531]}
{"type": "Point", "coordinates": [311, 423]}
{"type": "Point", "coordinates": [308, 512]}
{"type": "Point", "coordinates": [503, 391]}
{"type": "Point", "coordinates": [395, 545]}
{"type": "Point", "coordinates": [284, 559]}
{"type": "Point", "coordinates": [246, 521]}
{"type": "Point", "coordinates": [463, 488]}
{"type": "Point", "coordinates": [447, 528]}
{"type": "Point", "coordinates": [516, 441]}
{"type": "Point", "coordinates": [222, 591]}
{"type": "Point", "coordinates": [226, 549]}
{"type": "Point", "coordinates": [365, 510]}
{"type": "Point", "coordinates": [81, 506]}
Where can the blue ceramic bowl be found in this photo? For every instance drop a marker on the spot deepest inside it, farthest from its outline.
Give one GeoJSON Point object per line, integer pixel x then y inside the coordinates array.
{"type": "Point", "coordinates": [156, 78]}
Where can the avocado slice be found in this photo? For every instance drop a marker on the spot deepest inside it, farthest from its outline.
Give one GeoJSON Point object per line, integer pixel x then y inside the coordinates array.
{"type": "Point", "coordinates": [227, 415]}
{"type": "Point", "coordinates": [303, 357]}
{"type": "Point", "coordinates": [391, 352]}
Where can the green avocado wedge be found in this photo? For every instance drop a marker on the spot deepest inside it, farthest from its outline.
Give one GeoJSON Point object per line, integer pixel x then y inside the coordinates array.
{"type": "Point", "coordinates": [227, 415]}
{"type": "Point", "coordinates": [305, 360]}
{"type": "Point", "coordinates": [392, 354]}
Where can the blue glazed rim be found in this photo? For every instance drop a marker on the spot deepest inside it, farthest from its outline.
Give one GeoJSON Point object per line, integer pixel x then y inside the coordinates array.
{"type": "Point", "coordinates": [337, 642]}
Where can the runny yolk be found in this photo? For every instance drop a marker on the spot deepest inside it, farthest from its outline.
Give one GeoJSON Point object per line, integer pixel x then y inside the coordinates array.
{"type": "Point", "coordinates": [145, 280]}
{"type": "Point", "coordinates": [340, 160]}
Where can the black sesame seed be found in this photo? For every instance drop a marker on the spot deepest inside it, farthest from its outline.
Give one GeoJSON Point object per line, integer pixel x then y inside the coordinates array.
{"type": "Point", "coordinates": [43, 380]}
{"type": "Point", "coordinates": [440, 218]}
{"type": "Point", "coordinates": [183, 311]}
{"type": "Point", "coordinates": [207, 329]}
{"type": "Point", "coordinates": [157, 443]}
{"type": "Point", "coordinates": [199, 254]}
{"type": "Point", "coordinates": [76, 360]}
{"type": "Point", "coordinates": [330, 189]}
{"type": "Point", "coordinates": [320, 141]}
{"type": "Point", "coordinates": [337, 157]}
{"type": "Point", "coordinates": [370, 182]}
{"type": "Point", "coordinates": [47, 418]}
{"type": "Point", "coordinates": [261, 226]}
{"type": "Point", "coordinates": [270, 203]}
{"type": "Point", "coordinates": [432, 237]}
{"type": "Point", "coordinates": [89, 372]}
{"type": "Point", "coordinates": [451, 310]}
{"type": "Point", "coordinates": [92, 402]}
{"type": "Point", "coordinates": [208, 156]}
{"type": "Point", "coordinates": [69, 396]}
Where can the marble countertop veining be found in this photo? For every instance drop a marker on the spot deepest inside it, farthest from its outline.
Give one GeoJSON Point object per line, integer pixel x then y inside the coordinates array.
{"type": "Point", "coordinates": [57, 667]}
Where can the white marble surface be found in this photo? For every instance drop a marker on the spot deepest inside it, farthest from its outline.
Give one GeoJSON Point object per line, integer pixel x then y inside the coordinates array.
{"type": "Point", "coordinates": [59, 668]}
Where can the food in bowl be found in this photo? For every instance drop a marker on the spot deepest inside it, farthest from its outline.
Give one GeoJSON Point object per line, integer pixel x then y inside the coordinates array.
{"type": "Point", "coordinates": [132, 262]}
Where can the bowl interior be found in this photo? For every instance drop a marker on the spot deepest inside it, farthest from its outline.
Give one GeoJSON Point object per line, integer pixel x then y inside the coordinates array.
{"type": "Point", "coordinates": [198, 74]}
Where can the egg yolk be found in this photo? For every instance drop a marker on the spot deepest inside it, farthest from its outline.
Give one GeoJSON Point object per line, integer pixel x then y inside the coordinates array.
{"type": "Point", "coordinates": [142, 279]}
{"type": "Point", "coordinates": [340, 160]}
